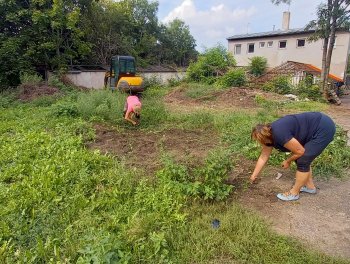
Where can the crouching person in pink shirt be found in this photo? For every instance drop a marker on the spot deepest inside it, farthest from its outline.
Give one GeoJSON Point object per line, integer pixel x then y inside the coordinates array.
{"type": "Point", "coordinates": [132, 109]}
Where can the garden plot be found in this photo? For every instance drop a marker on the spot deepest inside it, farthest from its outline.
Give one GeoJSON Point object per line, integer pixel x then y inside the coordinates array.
{"type": "Point", "coordinates": [143, 150]}
{"type": "Point", "coordinates": [321, 221]}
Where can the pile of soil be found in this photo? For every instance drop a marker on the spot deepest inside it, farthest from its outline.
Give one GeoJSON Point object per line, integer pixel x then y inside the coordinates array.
{"type": "Point", "coordinates": [29, 92]}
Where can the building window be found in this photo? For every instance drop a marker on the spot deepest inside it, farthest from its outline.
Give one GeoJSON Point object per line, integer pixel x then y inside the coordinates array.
{"type": "Point", "coordinates": [300, 43]}
{"type": "Point", "coordinates": [282, 44]}
{"type": "Point", "coordinates": [238, 48]}
{"type": "Point", "coordinates": [269, 44]}
{"type": "Point", "coordinates": [251, 48]}
{"type": "Point", "coordinates": [262, 44]}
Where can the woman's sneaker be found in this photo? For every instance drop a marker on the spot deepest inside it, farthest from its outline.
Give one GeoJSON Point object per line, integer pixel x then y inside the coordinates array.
{"type": "Point", "coordinates": [308, 190]}
{"type": "Point", "coordinates": [289, 197]}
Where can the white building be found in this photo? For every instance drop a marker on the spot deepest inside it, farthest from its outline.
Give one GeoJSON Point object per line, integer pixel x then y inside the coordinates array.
{"type": "Point", "coordinates": [284, 45]}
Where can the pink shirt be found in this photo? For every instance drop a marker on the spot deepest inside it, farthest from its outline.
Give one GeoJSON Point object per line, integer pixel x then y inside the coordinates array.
{"type": "Point", "coordinates": [132, 100]}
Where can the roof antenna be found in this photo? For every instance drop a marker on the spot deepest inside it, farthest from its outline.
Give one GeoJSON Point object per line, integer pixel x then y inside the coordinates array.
{"type": "Point", "coordinates": [273, 28]}
{"type": "Point", "coordinates": [248, 27]}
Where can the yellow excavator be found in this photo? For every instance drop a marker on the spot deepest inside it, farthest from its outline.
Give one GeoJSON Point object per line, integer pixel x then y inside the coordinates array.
{"type": "Point", "coordinates": [122, 75]}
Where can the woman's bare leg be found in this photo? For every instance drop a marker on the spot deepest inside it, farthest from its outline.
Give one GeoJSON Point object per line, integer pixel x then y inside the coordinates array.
{"type": "Point", "coordinates": [310, 183]}
{"type": "Point", "coordinates": [300, 180]}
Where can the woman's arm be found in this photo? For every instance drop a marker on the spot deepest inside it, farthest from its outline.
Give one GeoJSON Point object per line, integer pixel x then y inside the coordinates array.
{"type": "Point", "coordinates": [128, 117]}
{"type": "Point", "coordinates": [297, 151]}
{"type": "Point", "coordinates": [263, 158]}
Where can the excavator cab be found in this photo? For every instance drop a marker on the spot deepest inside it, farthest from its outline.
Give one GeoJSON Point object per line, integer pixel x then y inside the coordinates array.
{"type": "Point", "coordinates": [122, 75]}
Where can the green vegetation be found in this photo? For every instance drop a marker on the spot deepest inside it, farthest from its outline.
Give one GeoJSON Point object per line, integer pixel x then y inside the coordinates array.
{"type": "Point", "coordinates": [304, 89]}
{"type": "Point", "coordinates": [280, 84]}
{"type": "Point", "coordinates": [234, 77]}
{"type": "Point", "coordinates": [63, 203]}
{"type": "Point", "coordinates": [257, 65]}
{"type": "Point", "coordinates": [210, 64]}
{"type": "Point", "coordinates": [86, 32]}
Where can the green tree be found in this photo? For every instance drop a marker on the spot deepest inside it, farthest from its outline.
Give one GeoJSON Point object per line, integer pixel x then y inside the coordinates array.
{"type": "Point", "coordinates": [257, 65]}
{"type": "Point", "coordinates": [14, 36]}
{"type": "Point", "coordinates": [60, 39]}
{"type": "Point", "coordinates": [40, 33]}
{"type": "Point", "coordinates": [211, 63]}
{"type": "Point", "coordinates": [331, 16]}
{"type": "Point", "coordinates": [180, 43]}
{"type": "Point", "coordinates": [108, 29]}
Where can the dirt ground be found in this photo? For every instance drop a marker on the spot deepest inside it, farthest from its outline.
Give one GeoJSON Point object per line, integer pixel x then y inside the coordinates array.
{"type": "Point", "coordinates": [144, 150]}
{"type": "Point", "coordinates": [236, 98]}
{"type": "Point", "coordinates": [28, 92]}
{"type": "Point", "coordinates": [321, 221]}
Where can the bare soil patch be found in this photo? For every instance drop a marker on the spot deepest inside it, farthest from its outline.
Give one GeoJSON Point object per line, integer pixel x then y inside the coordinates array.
{"type": "Point", "coordinates": [243, 98]}
{"type": "Point", "coordinates": [321, 220]}
{"type": "Point", "coordinates": [143, 150]}
{"type": "Point", "coordinates": [28, 92]}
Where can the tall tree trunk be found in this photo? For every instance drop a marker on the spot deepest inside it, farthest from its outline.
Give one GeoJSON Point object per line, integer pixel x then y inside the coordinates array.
{"type": "Point", "coordinates": [330, 49]}
{"type": "Point", "coordinates": [324, 76]}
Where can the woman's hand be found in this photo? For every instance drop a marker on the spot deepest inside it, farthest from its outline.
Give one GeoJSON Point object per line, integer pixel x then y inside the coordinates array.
{"type": "Point", "coordinates": [252, 179]}
{"type": "Point", "coordinates": [286, 164]}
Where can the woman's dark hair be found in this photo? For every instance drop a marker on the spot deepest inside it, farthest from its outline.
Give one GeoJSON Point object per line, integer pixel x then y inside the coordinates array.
{"type": "Point", "coordinates": [263, 134]}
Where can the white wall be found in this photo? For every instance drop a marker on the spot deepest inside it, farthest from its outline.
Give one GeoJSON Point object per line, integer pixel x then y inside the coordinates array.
{"type": "Point", "coordinates": [93, 79]}
{"type": "Point", "coordinates": [163, 77]}
{"type": "Point", "coordinates": [311, 53]}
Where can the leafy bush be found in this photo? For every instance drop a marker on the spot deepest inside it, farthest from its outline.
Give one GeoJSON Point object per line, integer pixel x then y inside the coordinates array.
{"type": "Point", "coordinates": [234, 77]}
{"type": "Point", "coordinates": [30, 78]}
{"type": "Point", "coordinates": [306, 89]}
{"type": "Point", "coordinates": [173, 82]}
{"type": "Point", "coordinates": [55, 81]}
{"type": "Point", "coordinates": [206, 182]}
{"type": "Point", "coordinates": [7, 98]}
{"type": "Point", "coordinates": [65, 109]}
{"type": "Point", "coordinates": [153, 81]}
{"type": "Point", "coordinates": [209, 64]}
{"type": "Point", "coordinates": [257, 65]}
{"type": "Point", "coordinates": [280, 84]}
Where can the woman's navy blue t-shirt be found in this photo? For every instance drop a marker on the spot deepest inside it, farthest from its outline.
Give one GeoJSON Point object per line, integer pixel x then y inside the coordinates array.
{"type": "Point", "coordinates": [299, 126]}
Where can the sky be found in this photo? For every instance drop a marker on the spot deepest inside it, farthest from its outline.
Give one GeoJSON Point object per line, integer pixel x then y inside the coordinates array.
{"type": "Point", "coordinates": [211, 22]}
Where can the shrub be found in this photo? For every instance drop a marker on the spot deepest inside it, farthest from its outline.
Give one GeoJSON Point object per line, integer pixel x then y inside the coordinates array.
{"type": "Point", "coordinates": [172, 82]}
{"type": "Point", "coordinates": [257, 65]}
{"type": "Point", "coordinates": [306, 89]}
{"type": "Point", "coordinates": [280, 84]}
{"type": "Point", "coordinates": [64, 109]}
{"type": "Point", "coordinates": [7, 98]}
{"type": "Point", "coordinates": [234, 77]}
{"type": "Point", "coordinates": [30, 78]}
{"type": "Point", "coordinates": [206, 182]}
{"type": "Point", "coordinates": [55, 81]}
{"type": "Point", "coordinates": [153, 81]}
{"type": "Point", "coordinates": [209, 64]}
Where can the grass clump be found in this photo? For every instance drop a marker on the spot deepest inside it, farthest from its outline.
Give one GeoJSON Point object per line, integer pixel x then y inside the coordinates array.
{"type": "Point", "coordinates": [101, 104]}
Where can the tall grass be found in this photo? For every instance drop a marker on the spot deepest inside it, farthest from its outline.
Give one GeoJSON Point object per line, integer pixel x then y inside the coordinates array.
{"type": "Point", "coordinates": [101, 104]}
